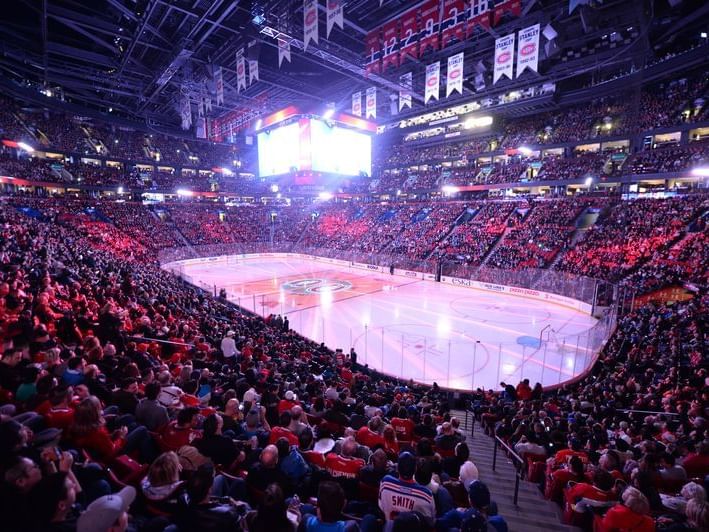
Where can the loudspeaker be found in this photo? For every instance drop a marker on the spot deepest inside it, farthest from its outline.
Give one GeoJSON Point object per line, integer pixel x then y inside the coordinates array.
{"type": "Point", "coordinates": [549, 32]}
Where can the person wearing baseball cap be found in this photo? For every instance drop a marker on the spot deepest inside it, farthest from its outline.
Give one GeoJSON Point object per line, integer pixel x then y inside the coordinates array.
{"type": "Point", "coordinates": [108, 513]}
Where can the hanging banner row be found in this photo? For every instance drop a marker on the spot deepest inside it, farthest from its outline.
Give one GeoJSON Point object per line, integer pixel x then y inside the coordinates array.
{"type": "Point", "coordinates": [432, 25]}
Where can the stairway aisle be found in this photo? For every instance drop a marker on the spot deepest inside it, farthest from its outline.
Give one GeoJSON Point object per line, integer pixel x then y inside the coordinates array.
{"type": "Point", "coordinates": [533, 513]}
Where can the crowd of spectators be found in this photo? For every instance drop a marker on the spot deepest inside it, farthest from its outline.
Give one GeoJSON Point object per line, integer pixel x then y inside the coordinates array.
{"type": "Point", "coordinates": [629, 234]}
{"type": "Point", "coordinates": [131, 399]}
{"type": "Point", "coordinates": [668, 158]}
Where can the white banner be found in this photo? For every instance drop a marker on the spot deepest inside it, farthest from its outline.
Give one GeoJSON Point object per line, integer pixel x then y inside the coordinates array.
{"type": "Point", "coordinates": [406, 82]}
{"type": "Point", "coordinates": [253, 71]}
{"type": "Point", "coordinates": [454, 75]}
{"type": "Point", "coordinates": [186, 113]}
{"type": "Point", "coordinates": [433, 81]}
{"type": "Point", "coordinates": [283, 51]}
{"type": "Point", "coordinates": [240, 70]}
{"type": "Point", "coordinates": [219, 82]}
{"type": "Point", "coordinates": [357, 103]}
{"type": "Point", "coordinates": [371, 105]}
{"type": "Point", "coordinates": [208, 103]}
{"type": "Point", "coordinates": [200, 107]}
{"type": "Point", "coordinates": [528, 49]}
{"type": "Point", "coordinates": [334, 15]}
{"type": "Point", "coordinates": [201, 128]}
{"type": "Point", "coordinates": [310, 22]}
{"type": "Point", "coordinates": [504, 57]}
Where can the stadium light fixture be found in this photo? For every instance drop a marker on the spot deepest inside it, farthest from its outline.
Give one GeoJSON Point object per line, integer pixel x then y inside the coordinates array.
{"type": "Point", "coordinates": [449, 190]}
{"type": "Point", "coordinates": [120, 190]}
{"type": "Point", "coordinates": [26, 147]}
{"type": "Point", "coordinates": [325, 196]}
{"type": "Point", "coordinates": [589, 181]}
{"type": "Point", "coordinates": [327, 115]}
{"type": "Point", "coordinates": [524, 150]}
{"type": "Point", "coordinates": [703, 35]}
{"type": "Point", "coordinates": [701, 171]}
{"type": "Point", "coordinates": [227, 172]}
{"type": "Point", "coordinates": [274, 188]}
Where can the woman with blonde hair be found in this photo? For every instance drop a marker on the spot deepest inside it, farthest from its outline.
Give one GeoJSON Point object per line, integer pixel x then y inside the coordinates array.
{"type": "Point", "coordinates": [698, 514]}
{"type": "Point", "coordinates": [633, 514]}
{"type": "Point", "coordinates": [162, 484]}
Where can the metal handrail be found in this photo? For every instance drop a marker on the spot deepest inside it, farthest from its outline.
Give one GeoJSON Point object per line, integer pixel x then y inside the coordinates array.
{"type": "Point", "coordinates": [631, 411]}
{"type": "Point", "coordinates": [514, 456]}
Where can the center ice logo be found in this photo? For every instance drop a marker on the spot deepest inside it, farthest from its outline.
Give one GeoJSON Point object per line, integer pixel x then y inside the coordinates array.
{"type": "Point", "coordinates": [315, 286]}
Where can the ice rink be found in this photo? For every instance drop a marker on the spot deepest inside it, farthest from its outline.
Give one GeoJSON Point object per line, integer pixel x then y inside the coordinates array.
{"type": "Point", "coordinates": [456, 336]}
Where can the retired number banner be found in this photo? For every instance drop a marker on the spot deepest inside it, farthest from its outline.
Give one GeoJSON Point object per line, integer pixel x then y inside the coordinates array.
{"type": "Point", "coordinates": [390, 35]}
{"type": "Point", "coordinates": [452, 24]}
{"type": "Point", "coordinates": [430, 24]}
{"type": "Point", "coordinates": [373, 50]}
{"type": "Point", "coordinates": [479, 15]}
{"type": "Point", "coordinates": [409, 35]}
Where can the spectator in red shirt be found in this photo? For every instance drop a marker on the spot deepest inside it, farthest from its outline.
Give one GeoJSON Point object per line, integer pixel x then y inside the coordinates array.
{"type": "Point", "coordinates": [181, 431]}
{"type": "Point", "coordinates": [288, 402]}
{"type": "Point", "coordinates": [633, 514]}
{"type": "Point", "coordinates": [524, 390]}
{"type": "Point", "coordinates": [403, 426]}
{"type": "Point", "coordinates": [344, 465]}
{"type": "Point", "coordinates": [282, 430]}
{"type": "Point", "coordinates": [371, 434]}
{"type": "Point", "coordinates": [61, 413]}
{"type": "Point", "coordinates": [697, 464]}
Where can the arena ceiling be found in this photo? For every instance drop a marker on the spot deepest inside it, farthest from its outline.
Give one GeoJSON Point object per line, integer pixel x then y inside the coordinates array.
{"type": "Point", "coordinates": [136, 56]}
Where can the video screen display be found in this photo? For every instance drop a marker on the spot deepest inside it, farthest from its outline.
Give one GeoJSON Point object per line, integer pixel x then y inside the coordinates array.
{"type": "Point", "coordinates": [279, 150]}
{"type": "Point", "coordinates": [314, 145]}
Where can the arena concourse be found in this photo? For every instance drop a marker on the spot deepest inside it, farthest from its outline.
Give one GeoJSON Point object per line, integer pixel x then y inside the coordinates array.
{"type": "Point", "coordinates": [354, 265]}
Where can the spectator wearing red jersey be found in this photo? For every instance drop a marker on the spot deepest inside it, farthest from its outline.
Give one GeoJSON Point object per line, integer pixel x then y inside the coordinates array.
{"type": "Point", "coordinates": [344, 465]}
{"type": "Point", "coordinates": [181, 431]}
{"type": "Point", "coordinates": [583, 496]}
{"type": "Point", "coordinates": [633, 514]}
{"type": "Point", "coordinates": [524, 390]}
{"type": "Point", "coordinates": [371, 434]}
{"type": "Point", "coordinates": [288, 402]}
{"type": "Point", "coordinates": [403, 426]}
{"type": "Point", "coordinates": [282, 430]}
{"type": "Point", "coordinates": [61, 413]}
{"type": "Point", "coordinates": [697, 464]}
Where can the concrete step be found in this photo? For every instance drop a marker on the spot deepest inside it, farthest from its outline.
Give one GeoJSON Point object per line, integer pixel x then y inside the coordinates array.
{"type": "Point", "coordinates": [532, 513]}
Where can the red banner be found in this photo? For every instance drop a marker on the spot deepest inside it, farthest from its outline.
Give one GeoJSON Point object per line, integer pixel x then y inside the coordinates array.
{"type": "Point", "coordinates": [480, 11]}
{"type": "Point", "coordinates": [409, 35]}
{"type": "Point", "coordinates": [430, 24]}
{"type": "Point", "coordinates": [373, 51]}
{"type": "Point", "coordinates": [390, 34]}
{"type": "Point", "coordinates": [453, 22]}
{"type": "Point", "coordinates": [514, 7]}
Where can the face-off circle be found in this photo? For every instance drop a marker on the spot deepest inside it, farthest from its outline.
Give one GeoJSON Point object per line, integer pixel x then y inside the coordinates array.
{"type": "Point", "coordinates": [315, 286]}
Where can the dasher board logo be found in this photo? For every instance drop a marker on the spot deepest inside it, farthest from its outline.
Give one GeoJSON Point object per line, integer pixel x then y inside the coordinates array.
{"type": "Point", "coordinates": [315, 286]}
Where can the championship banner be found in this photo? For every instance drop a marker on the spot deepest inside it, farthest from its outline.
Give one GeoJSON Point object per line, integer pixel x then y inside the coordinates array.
{"type": "Point", "coordinates": [528, 49]}
{"type": "Point", "coordinates": [186, 113]}
{"type": "Point", "coordinates": [240, 70]}
{"type": "Point", "coordinates": [200, 106]}
{"type": "Point", "coordinates": [406, 82]}
{"type": "Point", "coordinates": [454, 74]}
{"type": "Point", "coordinates": [253, 71]}
{"type": "Point", "coordinates": [409, 35]}
{"type": "Point", "coordinates": [208, 104]}
{"type": "Point", "coordinates": [310, 22]}
{"type": "Point", "coordinates": [201, 129]}
{"type": "Point", "coordinates": [219, 82]}
{"type": "Point", "coordinates": [506, 6]}
{"type": "Point", "coordinates": [453, 21]}
{"type": "Point", "coordinates": [504, 57]}
{"type": "Point", "coordinates": [334, 15]}
{"type": "Point", "coordinates": [433, 81]}
{"type": "Point", "coordinates": [357, 103]}
{"type": "Point", "coordinates": [430, 23]}
{"type": "Point", "coordinates": [373, 51]}
{"type": "Point", "coordinates": [390, 35]}
{"type": "Point", "coordinates": [371, 110]}
{"type": "Point", "coordinates": [283, 51]}
{"type": "Point", "coordinates": [479, 15]}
